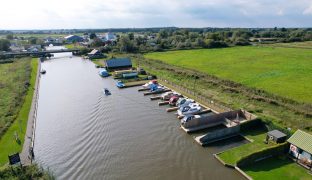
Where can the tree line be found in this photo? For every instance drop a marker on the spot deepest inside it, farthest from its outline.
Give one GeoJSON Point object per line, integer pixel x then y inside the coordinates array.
{"type": "Point", "coordinates": [166, 39]}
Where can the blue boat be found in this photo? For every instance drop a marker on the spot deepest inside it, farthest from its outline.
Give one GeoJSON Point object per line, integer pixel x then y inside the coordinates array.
{"type": "Point", "coordinates": [120, 84]}
{"type": "Point", "coordinates": [103, 73]}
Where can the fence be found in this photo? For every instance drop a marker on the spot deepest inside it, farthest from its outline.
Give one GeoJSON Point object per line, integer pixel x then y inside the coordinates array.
{"type": "Point", "coordinates": [200, 98]}
{"type": "Point", "coordinates": [33, 118]}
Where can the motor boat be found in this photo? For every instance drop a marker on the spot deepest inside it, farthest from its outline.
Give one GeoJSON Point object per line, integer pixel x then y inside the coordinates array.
{"type": "Point", "coordinates": [120, 84]}
{"type": "Point", "coordinates": [184, 102]}
{"type": "Point", "coordinates": [189, 109]}
{"type": "Point", "coordinates": [188, 118]}
{"type": "Point", "coordinates": [173, 100]}
{"type": "Point", "coordinates": [167, 95]}
{"type": "Point", "coordinates": [107, 92]}
{"type": "Point", "coordinates": [148, 85]}
{"type": "Point", "coordinates": [156, 88]}
{"type": "Point", "coordinates": [43, 71]}
{"type": "Point", "coordinates": [103, 73]}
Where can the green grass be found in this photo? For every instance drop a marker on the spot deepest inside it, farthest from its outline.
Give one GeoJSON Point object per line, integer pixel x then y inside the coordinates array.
{"type": "Point", "coordinates": [73, 46]}
{"type": "Point", "coordinates": [277, 168]}
{"type": "Point", "coordinates": [304, 45]}
{"type": "Point", "coordinates": [8, 145]}
{"type": "Point", "coordinates": [231, 156]}
{"type": "Point", "coordinates": [281, 71]}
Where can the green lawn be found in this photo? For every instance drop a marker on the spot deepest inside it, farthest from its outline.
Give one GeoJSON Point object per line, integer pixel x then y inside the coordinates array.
{"type": "Point", "coordinates": [231, 156]}
{"type": "Point", "coordinates": [73, 46]}
{"type": "Point", "coordinates": [282, 71]}
{"type": "Point", "coordinates": [305, 45]}
{"type": "Point", "coordinates": [8, 145]}
{"type": "Point", "coordinates": [277, 168]}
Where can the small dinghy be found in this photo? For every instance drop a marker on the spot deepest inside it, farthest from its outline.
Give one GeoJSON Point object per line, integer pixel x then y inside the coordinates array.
{"type": "Point", "coordinates": [107, 92]}
{"type": "Point", "coordinates": [120, 84]}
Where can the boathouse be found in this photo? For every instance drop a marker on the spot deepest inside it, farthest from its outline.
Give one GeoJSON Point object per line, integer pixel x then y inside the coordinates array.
{"type": "Point", "coordinates": [301, 147]}
{"type": "Point", "coordinates": [118, 64]}
{"type": "Point", "coordinates": [73, 38]}
{"type": "Point", "coordinates": [94, 54]}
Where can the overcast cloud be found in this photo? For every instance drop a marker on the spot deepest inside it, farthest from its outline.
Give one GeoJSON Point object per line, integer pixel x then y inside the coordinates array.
{"type": "Point", "coordinates": [60, 14]}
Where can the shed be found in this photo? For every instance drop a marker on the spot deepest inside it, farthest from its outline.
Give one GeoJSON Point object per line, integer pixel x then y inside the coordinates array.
{"type": "Point", "coordinates": [301, 147]}
{"type": "Point", "coordinates": [118, 63]}
{"type": "Point", "coordinates": [276, 136]}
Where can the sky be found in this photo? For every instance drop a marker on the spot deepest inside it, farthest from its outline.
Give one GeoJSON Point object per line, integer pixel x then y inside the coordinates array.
{"type": "Point", "coordinates": [95, 14]}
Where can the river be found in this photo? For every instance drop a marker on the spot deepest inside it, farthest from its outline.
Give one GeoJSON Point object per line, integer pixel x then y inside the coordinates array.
{"type": "Point", "coordinates": [83, 134]}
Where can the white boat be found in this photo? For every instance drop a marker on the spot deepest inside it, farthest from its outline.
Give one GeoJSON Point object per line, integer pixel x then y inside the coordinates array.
{"type": "Point", "coordinates": [184, 102]}
{"type": "Point", "coordinates": [189, 118]}
{"type": "Point", "coordinates": [189, 109]}
{"type": "Point", "coordinates": [167, 95]}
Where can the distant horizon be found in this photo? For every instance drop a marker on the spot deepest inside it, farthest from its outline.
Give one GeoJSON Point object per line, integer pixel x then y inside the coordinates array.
{"type": "Point", "coordinates": [164, 27]}
{"type": "Point", "coordinates": [95, 14]}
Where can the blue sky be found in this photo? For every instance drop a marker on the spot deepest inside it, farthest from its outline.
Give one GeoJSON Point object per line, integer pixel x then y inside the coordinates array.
{"type": "Point", "coordinates": [62, 14]}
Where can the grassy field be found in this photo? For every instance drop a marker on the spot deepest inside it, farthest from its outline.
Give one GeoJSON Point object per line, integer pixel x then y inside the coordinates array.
{"type": "Point", "coordinates": [304, 45]}
{"type": "Point", "coordinates": [73, 46]}
{"type": "Point", "coordinates": [231, 156]}
{"type": "Point", "coordinates": [277, 168]}
{"type": "Point", "coordinates": [16, 75]}
{"type": "Point", "coordinates": [281, 71]}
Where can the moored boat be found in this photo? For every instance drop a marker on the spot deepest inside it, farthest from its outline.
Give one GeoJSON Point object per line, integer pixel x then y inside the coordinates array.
{"type": "Point", "coordinates": [120, 84]}
{"type": "Point", "coordinates": [192, 108]}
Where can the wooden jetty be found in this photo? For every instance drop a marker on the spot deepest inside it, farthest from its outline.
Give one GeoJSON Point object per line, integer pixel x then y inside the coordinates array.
{"type": "Point", "coordinates": [155, 98]}
{"type": "Point", "coordinates": [143, 89]}
{"type": "Point", "coordinates": [172, 109]}
{"type": "Point", "coordinates": [156, 92]}
{"type": "Point", "coordinates": [163, 103]}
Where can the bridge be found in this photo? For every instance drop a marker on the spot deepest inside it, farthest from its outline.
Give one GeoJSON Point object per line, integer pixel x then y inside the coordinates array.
{"type": "Point", "coordinates": [39, 53]}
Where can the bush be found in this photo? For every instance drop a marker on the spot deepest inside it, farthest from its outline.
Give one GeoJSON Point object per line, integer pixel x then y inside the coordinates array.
{"type": "Point", "coordinates": [26, 172]}
{"type": "Point", "coordinates": [263, 153]}
{"type": "Point", "coordinates": [253, 124]}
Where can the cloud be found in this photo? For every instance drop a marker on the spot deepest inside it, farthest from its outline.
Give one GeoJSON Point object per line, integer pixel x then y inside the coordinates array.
{"type": "Point", "coordinates": [36, 14]}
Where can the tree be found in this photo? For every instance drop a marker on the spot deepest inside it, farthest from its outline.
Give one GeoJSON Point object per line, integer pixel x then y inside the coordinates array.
{"type": "Point", "coordinates": [9, 36]}
{"type": "Point", "coordinates": [33, 40]}
{"type": "Point", "coordinates": [131, 36]}
{"type": "Point", "coordinates": [97, 42]}
{"type": "Point", "coordinates": [92, 36]}
{"type": "Point", "coordinates": [126, 45]}
{"type": "Point", "coordinates": [4, 45]}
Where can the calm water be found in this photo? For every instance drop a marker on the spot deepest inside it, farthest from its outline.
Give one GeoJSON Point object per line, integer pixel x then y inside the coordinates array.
{"type": "Point", "coordinates": [83, 134]}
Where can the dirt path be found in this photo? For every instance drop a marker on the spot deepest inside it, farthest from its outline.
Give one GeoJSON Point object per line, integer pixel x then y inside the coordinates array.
{"type": "Point", "coordinates": [25, 155]}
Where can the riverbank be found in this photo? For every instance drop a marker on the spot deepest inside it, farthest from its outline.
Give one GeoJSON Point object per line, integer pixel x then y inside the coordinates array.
{"type": "Point", "coordinates": [8, 144]}
{"type": "Point", "coordinates": [228, 94]}
{"type": "Point", "coordinates": [27, 152]}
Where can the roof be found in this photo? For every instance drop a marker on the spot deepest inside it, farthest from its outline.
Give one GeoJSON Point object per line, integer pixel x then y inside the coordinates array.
{"type": "Point", "coordinates": [118, 62]}
{"type": "Point", "coordinates": [94, 51]}
{"type": "Point", "coordinates": [277, 134]}
{"type": "Point", "coordinates": [302, 140]}
{"type": "Point", "coordinates": [72, 36]}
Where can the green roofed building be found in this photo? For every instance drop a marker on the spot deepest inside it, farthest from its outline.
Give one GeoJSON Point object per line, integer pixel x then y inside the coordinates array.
{"type": "Point", "coordinates": [301, 147]}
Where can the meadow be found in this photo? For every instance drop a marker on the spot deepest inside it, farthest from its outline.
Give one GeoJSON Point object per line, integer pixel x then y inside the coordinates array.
{"type": "Point", "coordinates": [17, 83]}
{"type": "Point", "coordinates": [285, 72]}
